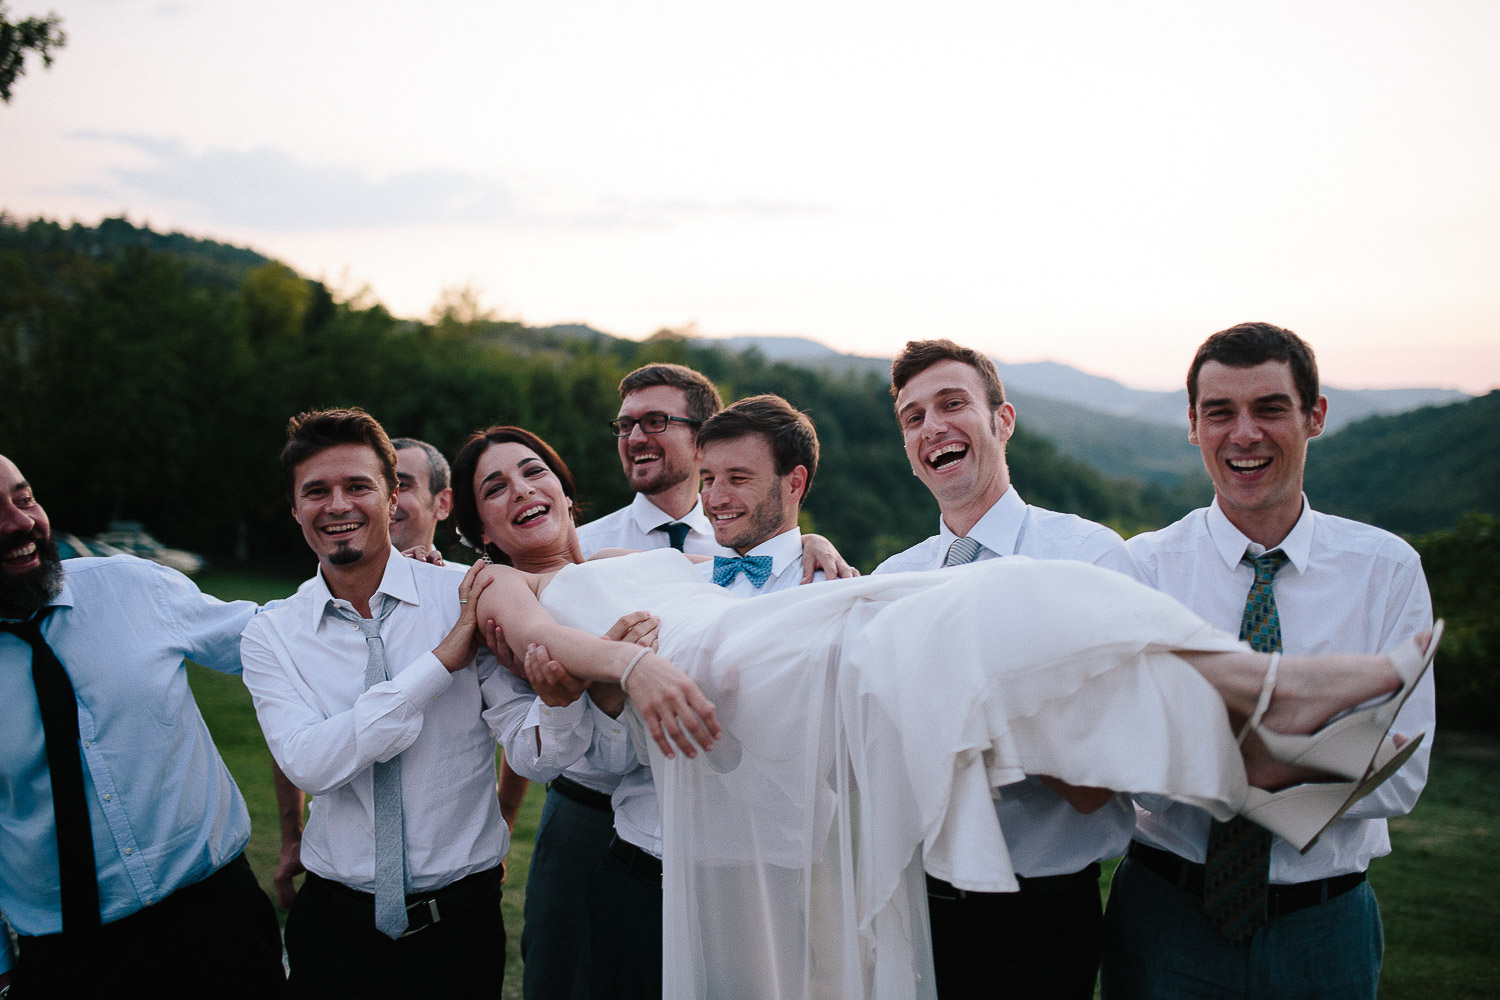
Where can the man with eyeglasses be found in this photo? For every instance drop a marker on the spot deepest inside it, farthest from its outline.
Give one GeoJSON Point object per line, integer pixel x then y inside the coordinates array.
{"type": "Point", "coordinates": [661, 408]}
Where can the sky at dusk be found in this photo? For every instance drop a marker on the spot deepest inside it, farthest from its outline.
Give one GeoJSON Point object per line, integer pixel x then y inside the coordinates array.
{"type": "Point", "coordinates": [1096, 183]}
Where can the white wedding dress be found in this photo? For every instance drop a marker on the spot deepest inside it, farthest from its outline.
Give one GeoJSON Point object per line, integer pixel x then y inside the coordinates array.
{"type": "Point", "coordinates": [868, 725]}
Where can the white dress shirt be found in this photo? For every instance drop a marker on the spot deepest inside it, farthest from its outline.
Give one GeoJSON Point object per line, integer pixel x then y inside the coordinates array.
{"type": "Point", "coordinates": [305, 668]}
{"type": "Point", "coordinates": [1347, 588]}
{"type": "Point", "coordinates": [633, 528]}
{"type": "Point", "coordinates": [637, 809]}
{"type": "Point", "coordinates": [1045, 835]}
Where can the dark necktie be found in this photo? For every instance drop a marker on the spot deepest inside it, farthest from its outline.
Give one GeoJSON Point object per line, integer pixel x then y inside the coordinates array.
{"type": "Point", "coordinates": [1237, 869]}
{"type": "Point", "coordinates": [75, 841]}
{"type": "Point", "coordinates": [757, 569]}
{"type": "Point", "coordinates": [677, 533]}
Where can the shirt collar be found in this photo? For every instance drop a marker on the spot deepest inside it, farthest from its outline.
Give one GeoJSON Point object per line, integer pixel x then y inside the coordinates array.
{"type": "Point", "coordinates": [399, 581]}
{"type": "Point", "coordinates": [998, 530]}
{"type": "Point", "coordinates": [648, 517]}
{"type": "Point", "coordinates": [1232, 543]}
{"type": "Point", "coordinates": [784, 549]}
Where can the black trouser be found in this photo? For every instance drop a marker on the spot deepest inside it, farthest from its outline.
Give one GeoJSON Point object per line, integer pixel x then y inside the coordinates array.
{"type": "Point", "coordinates": [624, 900]}
{"type": "Point", "coordinates": [214, 937]}
{"type": "Point", "coordinates": [335, 950]}
{"type": "Point", "coordinates": [1041, 942]}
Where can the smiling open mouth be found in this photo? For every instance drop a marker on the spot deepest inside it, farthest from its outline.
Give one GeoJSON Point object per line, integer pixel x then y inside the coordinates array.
{"type": "Point", "coordinates": [947, 455]}
{"type": "Point", "coordinates": [531, 514]}
{"type": "Point", "coordinates": [1248, 464]}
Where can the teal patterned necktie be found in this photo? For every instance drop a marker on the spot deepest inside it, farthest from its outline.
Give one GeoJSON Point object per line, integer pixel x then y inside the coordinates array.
{"type": "Point", "coordinates": [1237, 870]}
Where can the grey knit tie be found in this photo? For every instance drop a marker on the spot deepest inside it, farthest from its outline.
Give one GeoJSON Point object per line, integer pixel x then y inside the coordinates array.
{"type": "Point", "coordinates": [963, 550]}
{"type": "Point", "coordinates": [390, 832]}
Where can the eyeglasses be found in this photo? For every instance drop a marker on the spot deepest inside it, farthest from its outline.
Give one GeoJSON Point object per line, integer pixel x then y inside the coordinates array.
{"type": "Point", "coordinates": [650, 423]}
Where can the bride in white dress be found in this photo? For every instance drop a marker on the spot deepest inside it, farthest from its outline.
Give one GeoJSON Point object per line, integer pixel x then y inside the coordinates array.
{"type": "Point", "coordinates": [854, 732]}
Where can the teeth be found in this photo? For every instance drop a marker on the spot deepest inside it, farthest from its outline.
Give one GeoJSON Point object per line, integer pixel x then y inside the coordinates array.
{"type": "Point", "coordinates": [1248, 464]}
{"type": "Point", "coordinates": [26, 550]}
{"type": "Point", "coordinates": [947, 449]}
{"type": "Point", "coordinates": [725, 517]}
{"type": "Point", "coordinates": [341, 529]}
{"type": "Point", "coordinates": [642, 459]}
{"type": "Point", "coordinates": [530, 513]}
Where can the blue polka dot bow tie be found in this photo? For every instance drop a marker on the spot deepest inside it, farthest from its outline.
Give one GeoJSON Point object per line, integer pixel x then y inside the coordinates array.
{"type": "Point", "coordinates": [757, 569]}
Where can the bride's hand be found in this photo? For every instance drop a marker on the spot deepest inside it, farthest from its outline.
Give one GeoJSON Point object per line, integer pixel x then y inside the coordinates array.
{"type": "Point", "coordinates": [640, 628]}
{"type": "Point", "coordinates": [672, 707]}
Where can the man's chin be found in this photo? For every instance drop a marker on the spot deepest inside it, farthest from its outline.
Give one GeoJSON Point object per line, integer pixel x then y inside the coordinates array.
{"type": "Point", "coordinates": [26, 593]}
{"type": "Point", "coordinates": [345, 556]}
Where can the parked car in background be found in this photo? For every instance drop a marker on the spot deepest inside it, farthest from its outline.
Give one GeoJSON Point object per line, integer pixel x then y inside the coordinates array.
{"type": "Point", "coordinates": [131, 537]}
{"type": "Point", "coordinates": [73, 547]}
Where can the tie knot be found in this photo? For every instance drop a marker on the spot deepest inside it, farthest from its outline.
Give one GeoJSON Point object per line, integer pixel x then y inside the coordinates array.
{"type": "Point", "coordinates": [381, 606]}
{"type": "Point", "coordinates": [31, 628]}
{"type": "Point", "coordinates": [963, 550]}
{"type": "Point", "coordinates": [1266, 564]}
{"type": "Point", "coordinates": [677, 533]}
{"type": "Point", "coordinates": [757, 569]}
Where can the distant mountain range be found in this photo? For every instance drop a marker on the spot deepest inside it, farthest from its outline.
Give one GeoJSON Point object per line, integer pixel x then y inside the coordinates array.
{"type": "Point", "coordinates": [1063, 383]}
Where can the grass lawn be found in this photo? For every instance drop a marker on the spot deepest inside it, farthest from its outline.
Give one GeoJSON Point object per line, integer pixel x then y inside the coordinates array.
{"type": "Point", "coordinates": [1439, 890]}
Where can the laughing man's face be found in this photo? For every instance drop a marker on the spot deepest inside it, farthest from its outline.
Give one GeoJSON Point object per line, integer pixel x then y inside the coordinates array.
{"type": "Point", "coordinates": [954, 441]}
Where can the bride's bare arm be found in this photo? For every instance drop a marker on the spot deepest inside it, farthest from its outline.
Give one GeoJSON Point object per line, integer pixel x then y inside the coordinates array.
{"type": "Point", "coordinates": [669, 702]}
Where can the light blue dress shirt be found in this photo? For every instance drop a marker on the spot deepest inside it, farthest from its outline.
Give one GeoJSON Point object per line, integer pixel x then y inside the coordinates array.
{"type": "Point", "coordinates": [163, 809]}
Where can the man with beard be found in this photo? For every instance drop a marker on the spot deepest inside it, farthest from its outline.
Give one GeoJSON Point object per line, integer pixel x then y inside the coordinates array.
{"type": "Point", "coordinates": [756, 460]}
{"type": "Point", "coordinates": [661, 408]}
{"type": "Point", "coordinates": [121, 832]}
{"type": "Point", "coordinates": [1043, 941]}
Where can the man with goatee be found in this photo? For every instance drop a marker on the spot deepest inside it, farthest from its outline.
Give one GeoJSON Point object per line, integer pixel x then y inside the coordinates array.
{"type": "Point", "coordinates": [121, 832]}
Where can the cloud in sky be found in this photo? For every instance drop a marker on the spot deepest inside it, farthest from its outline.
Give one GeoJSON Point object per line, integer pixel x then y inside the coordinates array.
{"type": "Point", "coordinates": [268, 189]}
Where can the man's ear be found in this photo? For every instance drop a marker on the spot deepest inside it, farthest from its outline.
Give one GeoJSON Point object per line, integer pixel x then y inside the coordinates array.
{"type": "Point", "coordinates": [1192, 427]}
{"type": "Point", "coordinates": [1005, 421]}
{"type": "Point", "coordinates": [796, 482]}
{"type": "Point", "coordinates": [444, 503]}
{"type": "Point", "coordinates": [1317, 418]}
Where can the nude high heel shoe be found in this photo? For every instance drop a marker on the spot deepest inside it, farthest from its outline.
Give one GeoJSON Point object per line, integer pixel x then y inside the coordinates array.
{"type": "Point", "coordinates": [1348, 745]}
{"type": "Point", "coordinates": [1300, 814]}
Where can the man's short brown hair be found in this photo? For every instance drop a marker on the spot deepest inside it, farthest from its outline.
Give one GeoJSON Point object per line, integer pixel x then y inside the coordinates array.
{"type": "Point", "coordinates": [317, 430]}
{"type": "Point", "coordinates": [703, 399]}
{"type": "Point", "coordinates": [1246, 345]}
{"type": "Point", "coordinates": [788, 431]}
{"type": "Point", "coordinates": [919, 355]}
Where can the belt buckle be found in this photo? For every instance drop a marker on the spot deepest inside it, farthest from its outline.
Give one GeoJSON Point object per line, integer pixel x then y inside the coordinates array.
{"type": "Point", "coordinates": [416, 909]}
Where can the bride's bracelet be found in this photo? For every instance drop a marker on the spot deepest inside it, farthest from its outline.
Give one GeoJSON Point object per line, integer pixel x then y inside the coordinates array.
{"type": "Point", "coordinates": [631, 666]}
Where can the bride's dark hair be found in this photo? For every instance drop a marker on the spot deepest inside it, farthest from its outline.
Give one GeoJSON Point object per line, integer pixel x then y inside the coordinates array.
{"type": "Point", "coordinates": [466, 506]}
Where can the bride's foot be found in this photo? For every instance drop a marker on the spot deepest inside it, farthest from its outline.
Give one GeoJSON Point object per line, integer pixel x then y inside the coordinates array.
{"type": "Point", "coordinates": [1312, 691]}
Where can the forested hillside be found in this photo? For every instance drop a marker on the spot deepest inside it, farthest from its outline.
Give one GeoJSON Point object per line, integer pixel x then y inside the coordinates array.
{"type": "Point", "coordinates": [151, 377]}
{"type": "Point", "coordinates": [1413, 472]}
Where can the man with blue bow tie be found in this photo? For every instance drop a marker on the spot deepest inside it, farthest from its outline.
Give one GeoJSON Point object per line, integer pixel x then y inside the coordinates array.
{"type": "Point", "coordinates": [756, 461]}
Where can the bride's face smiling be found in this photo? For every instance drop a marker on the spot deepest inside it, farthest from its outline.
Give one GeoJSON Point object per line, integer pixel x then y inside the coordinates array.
{"type": "Point", "coordinates": [521, 501]}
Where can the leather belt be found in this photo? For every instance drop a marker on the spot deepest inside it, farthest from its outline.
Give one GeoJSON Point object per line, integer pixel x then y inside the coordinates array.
{"type": "Point", "coordinates": [423, 909]}
{"type": "Point", "coordinates": [640, 862]}
{"type": "Point", "coordinates": [1281, 900]}
{"type": "Point", "coordinates": [1039, 885]}
{"type": "Point", "coordinates": [570, 789]}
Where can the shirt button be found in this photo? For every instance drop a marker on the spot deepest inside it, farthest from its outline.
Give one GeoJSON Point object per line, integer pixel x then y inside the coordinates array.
{"type": "Point", "coordinates": [86, 744]}
{"type": "Point", "coordinates": [107, 796]}
{"type": "Point", "coordinates": [129, 851]}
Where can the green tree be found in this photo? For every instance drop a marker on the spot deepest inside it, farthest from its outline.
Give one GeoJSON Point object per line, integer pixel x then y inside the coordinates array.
{"type": "Point", "coordinates": [34, 34]}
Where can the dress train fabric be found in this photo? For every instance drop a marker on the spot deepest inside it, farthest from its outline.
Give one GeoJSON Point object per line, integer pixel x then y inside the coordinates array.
{"type": "Point", "coordinates": [869, 724]}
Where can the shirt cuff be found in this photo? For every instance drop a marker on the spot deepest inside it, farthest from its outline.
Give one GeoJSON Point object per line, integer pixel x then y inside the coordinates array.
{"type": "Point", "coordinates": [423, 680]}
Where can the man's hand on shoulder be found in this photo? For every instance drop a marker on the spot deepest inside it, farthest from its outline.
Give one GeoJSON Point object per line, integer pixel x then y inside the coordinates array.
{"type": "Point", "coordinates": [458, 647]}
{"type": "Point", "coordinates": [818, 553]}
